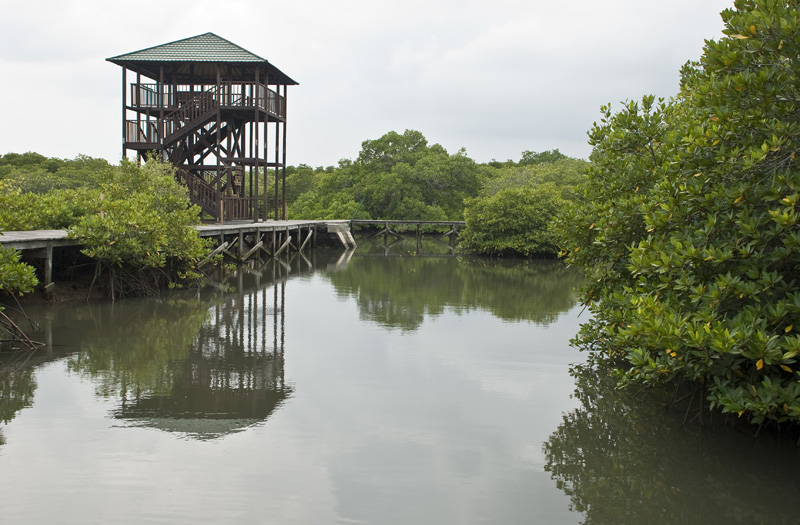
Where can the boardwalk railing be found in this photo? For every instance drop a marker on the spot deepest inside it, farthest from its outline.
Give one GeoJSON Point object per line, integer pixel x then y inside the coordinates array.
{"type": "Point", "coordinates": [237, 208]}
{"type": "Point", "coordinates": [390, 223]}
{"type": "Point", "coordinates": [142, 131]}
{"type": "Point", "coordinates": [203, 194]}
{"type": "Point", "coordinates": [394, 227]}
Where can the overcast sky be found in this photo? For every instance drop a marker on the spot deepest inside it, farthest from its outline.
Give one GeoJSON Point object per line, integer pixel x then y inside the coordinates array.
{"type": "Point", "coordinates": [496, 77]}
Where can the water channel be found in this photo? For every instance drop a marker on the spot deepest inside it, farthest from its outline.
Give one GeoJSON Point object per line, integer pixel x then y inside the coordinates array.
{"type": "Point", "coordinates": [381, 386]}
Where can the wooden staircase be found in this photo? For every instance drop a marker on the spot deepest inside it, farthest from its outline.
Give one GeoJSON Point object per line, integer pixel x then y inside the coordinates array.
{"type": "Point", "coordinates": [194, 111]}
{"type": "Point", "coordinates": [201, 192]}
{"type": "Point", "coordinates": [225, 190]}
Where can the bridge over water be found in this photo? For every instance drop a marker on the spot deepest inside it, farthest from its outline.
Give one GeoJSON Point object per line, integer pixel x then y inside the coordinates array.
{"type": "Point", "coordinates": [237, 240]}
{"type": "Point", "coordinates": [399, 228]}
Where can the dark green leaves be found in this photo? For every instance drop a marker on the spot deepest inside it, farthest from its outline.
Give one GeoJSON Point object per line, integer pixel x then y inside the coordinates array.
{"type": "Point", "coordinates": [15, 277]}
{"type": "Point", "coordinates": [690, 228]}
{"type": "Point", "coordinates": [513, 213]}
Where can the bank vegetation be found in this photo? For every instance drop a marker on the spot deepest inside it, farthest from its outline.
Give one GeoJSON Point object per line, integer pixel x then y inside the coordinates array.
{"type": "Point", "coordinates": [688, 227]}
{"type": "Point", "coordinates": [134, 222]}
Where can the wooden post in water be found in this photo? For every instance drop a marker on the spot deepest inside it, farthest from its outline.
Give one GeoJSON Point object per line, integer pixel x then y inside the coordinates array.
{"type": "Point", "coordinates": [48, 269]}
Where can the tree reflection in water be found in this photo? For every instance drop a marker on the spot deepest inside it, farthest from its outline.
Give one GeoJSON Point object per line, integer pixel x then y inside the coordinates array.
{"type": "Point", "coordinates": [231, 378]}
{"type": "Point", "coordinates": [201, 367]}
{"type": "Point", "coordinates": [181, 365]}
{"type": "Point", "coordinates": [198, 371]}
{"type": "Point", "coordinates": [401, 292]}
{"type": "Point", "coordinates": [622, 459]}
{"type": "Point", "coordinates": [16, 392]}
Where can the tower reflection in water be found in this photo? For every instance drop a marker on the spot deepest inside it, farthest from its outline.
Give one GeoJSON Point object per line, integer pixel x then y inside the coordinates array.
{"type": "Point", "coordinates": [233, 376]}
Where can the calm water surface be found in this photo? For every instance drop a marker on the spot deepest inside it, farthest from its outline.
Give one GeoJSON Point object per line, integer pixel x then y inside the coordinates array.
{"type": "Point", "coordinates": [357, 388]}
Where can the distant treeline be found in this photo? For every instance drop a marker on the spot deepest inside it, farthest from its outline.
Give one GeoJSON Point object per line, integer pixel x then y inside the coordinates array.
{"type": "Point", "coordinates": [132, 219]}
{"type": "Point", "coordinates": [507, 205]}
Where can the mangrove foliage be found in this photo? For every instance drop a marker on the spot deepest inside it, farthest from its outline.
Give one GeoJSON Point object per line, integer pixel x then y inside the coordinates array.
{"type": "Point", "coordinates": [689, 225]}
{"type": "Point", "coordinates": [134, 222]}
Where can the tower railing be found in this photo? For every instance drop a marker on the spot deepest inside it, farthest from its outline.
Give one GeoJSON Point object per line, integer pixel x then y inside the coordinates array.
{"type": "Point", "coordinates": [185, 103]}
{"type": "Point", "coordinates": [149, 96]}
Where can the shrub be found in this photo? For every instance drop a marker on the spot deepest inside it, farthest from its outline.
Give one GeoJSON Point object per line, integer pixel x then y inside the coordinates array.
{"type": "Point", "coordinates": [513, 213]}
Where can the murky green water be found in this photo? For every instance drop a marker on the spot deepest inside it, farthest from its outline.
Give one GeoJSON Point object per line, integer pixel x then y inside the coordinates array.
{"type": "Point", "coordinates": [358, 388]}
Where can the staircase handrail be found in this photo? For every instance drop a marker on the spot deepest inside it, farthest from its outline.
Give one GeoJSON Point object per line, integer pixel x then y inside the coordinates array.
{"type": "Point", "coordinates": [197, 105]}
{"type": "Point", "coordinates": [200, 191]}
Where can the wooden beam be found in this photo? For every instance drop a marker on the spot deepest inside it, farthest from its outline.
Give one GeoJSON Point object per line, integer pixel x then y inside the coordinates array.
{"type": "Point", "coordinates": [308, 237]}
{"type": "Point", "coordinates": [124, 108]}
{"type": "Point", "coordinates": [48, 267]}
{"type": "Point", "coordinates": [228, 252]}
{"type": "Point", "coordinates": [284, 245]}
{"type": "Point", "coordinates": [213, 254]}
{"type": "Point", "coordinates": [221, 217]}
{"type": "Point", "coordinates": [266, 148]}
{"type": "Point", "coordinates": [254, 149]}
{"type": "Point", "coordinates": [161, 129]}
{"type": "Point", "coordinates": [283, 183]}
{"type": "Point", "coordinates": [253, 250]}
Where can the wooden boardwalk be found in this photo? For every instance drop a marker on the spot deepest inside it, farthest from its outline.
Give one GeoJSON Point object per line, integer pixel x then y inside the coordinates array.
{"type": "Point", "coordinates": [238, 240]}
{"type": "Point", "coordinates": [36, 239]}
{"type": "Point", "coordinates": [397, 228]}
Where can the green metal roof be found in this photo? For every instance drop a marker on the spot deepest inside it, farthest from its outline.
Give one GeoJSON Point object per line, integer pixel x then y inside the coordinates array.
{"type": "Point", "coordinates": [201, 49]}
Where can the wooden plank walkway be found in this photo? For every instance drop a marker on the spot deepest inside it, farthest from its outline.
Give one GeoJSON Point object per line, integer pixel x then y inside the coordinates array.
{"type": "Point", "coordinates": [387, 222]}
{"type": "Point", "coordinates": [34, 239]}
{"type": "Point", "coordinates": [239, 240]}
{"type": "Point", "coordinates": [390, 227]}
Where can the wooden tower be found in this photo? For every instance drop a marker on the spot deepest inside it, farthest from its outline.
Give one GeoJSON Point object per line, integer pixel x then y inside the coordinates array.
{"type": "Point", "coordinates": [218, 113]}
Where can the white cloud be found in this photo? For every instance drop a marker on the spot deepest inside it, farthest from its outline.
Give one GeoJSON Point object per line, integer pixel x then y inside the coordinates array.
{"type": "Point", "coordinates": [497, 78]}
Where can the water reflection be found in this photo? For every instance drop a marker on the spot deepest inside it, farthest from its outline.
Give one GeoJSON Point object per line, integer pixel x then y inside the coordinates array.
{"type": "Point", "coordinates": [201, 365]}
{"type": "Point", "coordinates": [208, 372]}
{"type": "Point", "coordinates": [401, 292]}
{"type": "Point", "coordinates": [410, 244]}
{"type": "Point", "coordinates": [17, 369]}
{"type": "Point", "coordinates": [231, 377]}
{"type": "Point", "coordinates": [206, 365]}
{"type": "Point", "coordinates": [134, 346]}
{"type": "Point", "coordinates": [180, 365]}
{"type": "Point", "coordinates": [149, 403]}
{"type": "Point", "coordinates": [622, 459]}
{"type": "Point", "coordinates": [16, 393]}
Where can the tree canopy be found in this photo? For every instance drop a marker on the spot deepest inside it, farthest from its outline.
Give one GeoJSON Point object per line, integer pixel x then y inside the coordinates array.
{"type": "Point", "coordinates": [508, 206]}
{"type": "Point", "coordinates": [396, 176]}
{"type": "Point", "coordinates": [513, 212]}
{"type": "Point", "coordinates": [689, 224]}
